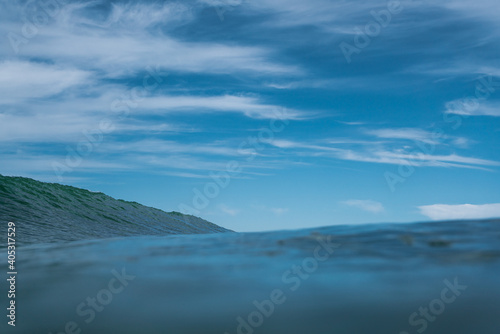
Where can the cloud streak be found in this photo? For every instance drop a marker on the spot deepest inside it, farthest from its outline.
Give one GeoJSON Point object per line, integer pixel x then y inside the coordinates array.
{"type": "Point", "coordinates": [375, 153]}
{"type": "Point", "coordinates": [21, 80]}
{"type": "Point", "coordinates": [365, 205]}
{"type": "Point", "coordinates": [467, 108]}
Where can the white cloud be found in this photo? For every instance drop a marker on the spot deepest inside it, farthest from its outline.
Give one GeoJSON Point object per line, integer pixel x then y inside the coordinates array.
{"type": "Point", "coordinates": [278, 211]}
{"type": "Point", "coordinates": [187, 175]}
{"type": "Point", "coordinates": [21, 80]}
{"type": "Point", "coordinates": [48, 127]}
{"type": "Point", "coordinates": [281, 143]}
{"type": "Point", "coordinates": [461, 211]}
{"type": "Point", "coordinates": [373, 153]}
{"type": "Point", "coordinates": [228, 210]}
{"type": "Point", "coordinates": [365, 205]}
{"type": "Point", "coordinates": [216, 3]}
{"type": "Point", "coordinates": [116, 53]}
{"type": "Point", "coordinates": [352, 123]}
{"type": "Point", "coordinates": [128, 37]}
{"type": "Point", "coordinates": [406, 133]}
{"type": "Point", "coordinates": [31, 163]}
{"type": "Point", "coordinates": [275, 210]}
{"type": "Point", "coordinates": [450, 160]}
{"type": "Point", "coordinates": [172, 147]}
{"type": "Point", "coordinates": [288, 144]}
{"type": "Point", "coordinates": [33, 159]}
{"type": "Point", "coordinates": [479, 8]}
{"type": "Point", "coordinates": [66, 118]}
{"type": "Point", "coordinates": [473, 107]}
{"type": "Point", "coordinates": [142, 15]}
{"type": "Point", "coordinates": [434, 138]}
{"type": "Point", "coordinates": [249, 106]}
{"type": "Point", "coordinates": [86, 43]}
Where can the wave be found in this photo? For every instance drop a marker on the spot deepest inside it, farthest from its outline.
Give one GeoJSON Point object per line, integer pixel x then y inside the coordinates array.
{"type": "Point", "coordinates": [50, 212]}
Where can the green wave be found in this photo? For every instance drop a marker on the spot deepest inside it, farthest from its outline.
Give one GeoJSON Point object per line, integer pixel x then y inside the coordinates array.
{"type": "Point", "coordinates": [51, 212]}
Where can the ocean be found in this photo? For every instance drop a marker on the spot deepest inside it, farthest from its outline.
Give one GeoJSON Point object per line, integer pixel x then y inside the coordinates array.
{"type": "Point", "coordinates": [427, 277]}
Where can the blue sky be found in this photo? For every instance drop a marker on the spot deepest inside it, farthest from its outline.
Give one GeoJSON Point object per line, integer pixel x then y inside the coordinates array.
{"type": "Point", "coordinates": [259, 115]}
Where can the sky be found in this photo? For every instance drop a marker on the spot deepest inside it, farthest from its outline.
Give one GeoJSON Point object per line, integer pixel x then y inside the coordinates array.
{"type": "Point", "coordinates": [262, 114]}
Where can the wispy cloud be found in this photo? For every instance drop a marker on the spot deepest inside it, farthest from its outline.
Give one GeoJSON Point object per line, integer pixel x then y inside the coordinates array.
{"type": "Point", "coordinates": [434, 138]}
{"type": "Point", "coordinates": [374, 152]}
{"type": "Point", "coordinates": [365, 205]}
{"type": "Point", "coordinates": [405, 133]}
{"type": "Point", "coordinates": [228, 210]}
{"type": "Point", "coordinates": [398, 158]}
{"type": "Point", "coordinates": [467, 108]}
{"type": "Point", "coordinates": [21, 80]}
{"type": "Point", "coordinates": [277, 211]}
{"type": "Point", "coordinates": [143, 15]}
{"type": "Point", "coordinates": [32, 126]}
{"type": "Point", "coordinates": [172, 147]}
{"type": "Point", "coordinates": [67, 117]}
{"type": "Point", "coordinates": [251, 107]}
{"type": "Point", "coordinates": [125, 38]}
{"type": "Point", "coordinates": [461, 211]}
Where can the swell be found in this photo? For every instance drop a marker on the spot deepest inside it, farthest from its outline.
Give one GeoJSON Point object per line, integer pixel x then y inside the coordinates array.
{"type": "Point", "coordinates": [50, 212]}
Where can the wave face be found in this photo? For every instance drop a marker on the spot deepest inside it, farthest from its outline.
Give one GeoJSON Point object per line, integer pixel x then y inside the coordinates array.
{"type": "Point", "coordinates": [49, 212]}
